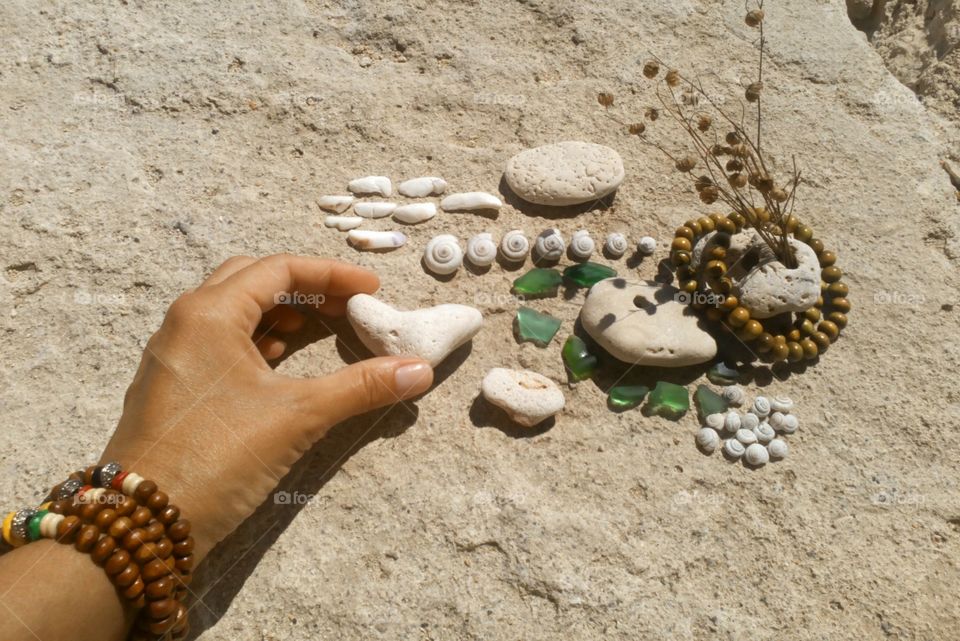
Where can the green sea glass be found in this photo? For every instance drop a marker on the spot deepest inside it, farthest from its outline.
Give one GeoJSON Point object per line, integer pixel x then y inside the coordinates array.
{"type": "Point", "coordinates": [625, 397]}
{"type": "Point", "coordinates": [536, 327]}
{"type": "Point", "coordinates": [539, 281]}
{"type": "Point", "coordinates": [588, 274]}
{"type": "Point", "coordinates": [668, 400]}
{"type": "Point", "coordinates": [708, 402]}
{"type": "Point", "coordinates": [579, 361]}
{"type": "Point", "coordinates": [720, 374]}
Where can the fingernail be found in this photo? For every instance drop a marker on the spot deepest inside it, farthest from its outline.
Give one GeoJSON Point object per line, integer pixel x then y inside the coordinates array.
{"type": "Point", "coordinates": [413, 379]}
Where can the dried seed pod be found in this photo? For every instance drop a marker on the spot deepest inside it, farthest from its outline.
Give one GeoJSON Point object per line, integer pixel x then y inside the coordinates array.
{"type": "Point", "coordinates": [673, 78]}
{"type": "Point", "coordinates": [703, 122]}
{"type": "Point", "coordinates": [778, 195]}
{"type": "Point", "coordinates": [637, 128]}
{"type": "Point", "coordinates": [737, 180]}
{"type": "Point", "coordinates": [719, 150]}
{"type": "Point", "coordinates": [761, 182]}
{"type": "Point", "coordinates": [734, 165]}
{"type": "Point", "coordinates": [752, 94]}
{"type": "Point", "coordinates": [741, 150]}
{"type": "Point", "coordinates": [702, 182]}
{"type": "Point", "coordinates": [733, 138]}
{"type": "Point", "coordinates": [652, 114]}
{"type": "Point", "coordinates": [686, 163]}
{"type": "Point", "coordinates": [689, 97]}
{"type": "Point", "coordinates": [605, 99]}
{"type": "Point", "coordinates": [754, 18]}
{"type": "Point", "coordinates": [710, 194]}
{"type": "Point", "coordinates": [651, 68]}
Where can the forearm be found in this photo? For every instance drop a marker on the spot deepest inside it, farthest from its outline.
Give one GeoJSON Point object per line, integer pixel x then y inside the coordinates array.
{"type": "Point", "coordinates": [50, 590]}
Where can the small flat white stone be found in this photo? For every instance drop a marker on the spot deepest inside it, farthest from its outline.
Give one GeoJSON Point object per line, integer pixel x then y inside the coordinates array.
{"type": "Point", "coordinates": [373, 209]}
{"type": "Point", "coordinates": [343, 223]}
{"type": "Point", "coordinates": [471, 201]}
{"type": "Point", "coordinates": [336, 204]}
{"type": "Point", "coordinates": [527, 397]}
{"type": "Point", "coordinates": [371, 186]}
{"type": "Point", "coordinates": [415, 213]}
{"type": "Point", "coordinates": [365, 239]}
{"type": "Point", "coordinates": [422, 187]}
{"type": "Point", "coordinates": [564, 173]}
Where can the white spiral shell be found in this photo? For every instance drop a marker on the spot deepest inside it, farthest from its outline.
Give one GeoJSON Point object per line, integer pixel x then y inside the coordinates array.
{"type": "Point", "coordinates": [549, 244]}
{"type": "Point", "coordinates": [443, 255]}
{"type": "Point", "coordinates": [708, 440]}
{"type": "Point", "coordinates": [778, 448]}
{"type": "Point", "coordinates": [733, 448]}
{"type": "Point", "coordinates": [731, 422]}
{"type": "Point", "coordinates": [481, 250]}
{"type": "Point", "coordinates": [756, 455]}
{"type": "Point", "coordinates": [647, 245]}
{"type": "Point", "coordinates": [781, 404]}
{"type": "Point", "coordinates": [615, 244]}
{"type": "Point", "coordinates": [749, 421]}
{"type": "Point", "coordinates": [776, 420]}
{"type": "Point", "coordinates": [514, 246]}
{"type": "Point", "coordinates": [790, 424]}
{"type": "Point", "coordinates": [747, 437]}
{"type": "Point", "coordinates": [764, 433]}
{"type": "Point", "coordinates": [761, 406]}
{"type": "Point", "coordinates": [734, 395]}
{"type": "Point", "coordinates": [581, 245]}
{"type": "Point", "coordinates": [714, 421]}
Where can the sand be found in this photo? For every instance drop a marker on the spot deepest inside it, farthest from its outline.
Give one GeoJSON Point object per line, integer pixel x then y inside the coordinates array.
{"type": "Point", "coordinates": [144, 144]}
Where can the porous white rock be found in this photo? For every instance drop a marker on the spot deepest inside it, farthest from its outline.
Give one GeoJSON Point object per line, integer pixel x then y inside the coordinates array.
{"type": "Point", "coordinates": [643, 323]}
{"type": "Point", "coordinates": [371, 186]}
{"type": "Point", "coordinates": [564, 173]}
{"type": "Point", "coordinates": [423, 186]}
{"type": "Point", "coordinates": [374, 209]}
{"type": "Point", "coordinates": [366, 239]}
{"type": "Point", "coordinates": [336, 204]}
{"type": "Point", "coordinates": [527, 397]}
{"type": "Point", "coordinates": [431, 334]}
{"type": "Point", "coordinates": [471, 201]}
{"type": "Point", "coordinates": [343, 223]}
{"type": "Point", "coordinates": [415, 213]}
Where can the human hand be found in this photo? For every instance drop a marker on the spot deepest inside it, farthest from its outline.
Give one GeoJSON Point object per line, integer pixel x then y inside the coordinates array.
{"type": "Point", "coordinates": [207, 418]}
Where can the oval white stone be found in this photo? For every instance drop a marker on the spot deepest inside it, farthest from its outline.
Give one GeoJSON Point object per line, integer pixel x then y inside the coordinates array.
{"type": "Point", "coordinates": [336, 204]}
{"type": "Point", "coordinates": [415, 213]}
{"type": "Point", "coordinates": [471, 201]}
{"type": "Point", "coordinates": [343, 223]}
{"type": "Point", "coordinates": [564, 173]}
{"type": "Point", "coordinates": [371, 186]}
{"type": "Point", "coordinates": [368, 239]}
{"type": "Point", "coordinates": [374, 209]}
{"type": "Point", "coordinates": [423, 186]}
{"type": "Point", "coordinates": [527, 397]}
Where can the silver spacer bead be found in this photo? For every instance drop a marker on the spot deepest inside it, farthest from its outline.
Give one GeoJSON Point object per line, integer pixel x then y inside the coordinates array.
{"type": "Point", "coordinates": [68, 489]}
{"type": "Point", "coordinates": [108, 473]}
{"type": "Point", "coordinates": [18, 527]}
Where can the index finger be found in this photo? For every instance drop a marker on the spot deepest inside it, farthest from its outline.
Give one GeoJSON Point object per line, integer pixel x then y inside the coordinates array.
{"type": "Point", "coordinates": [284, 278]}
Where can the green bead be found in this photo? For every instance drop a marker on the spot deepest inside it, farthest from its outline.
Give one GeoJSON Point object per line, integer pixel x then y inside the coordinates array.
{"type": "Point", "coordinates": [531, 325]}
{"type": "Point", "coordinates": [708, 402]}
{"type": "Point", "coordinates": [626, 397]}
{"type": "Point", "coordinates": [668, 400]}
{"type": "Point", "coordinates": [33, 525]}
{"type": "Point", "coordinates": [579, 361]}
{"type": "Point", "coordinates": [720, 374]}
{"type": "Point", "coordinates": [539, 281]}
{"type": "Point", "coordinates": [588, 274]}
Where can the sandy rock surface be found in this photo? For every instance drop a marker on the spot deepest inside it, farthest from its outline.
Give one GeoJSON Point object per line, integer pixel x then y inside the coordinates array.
{"type": "Point", "coordinates": [145, 143]}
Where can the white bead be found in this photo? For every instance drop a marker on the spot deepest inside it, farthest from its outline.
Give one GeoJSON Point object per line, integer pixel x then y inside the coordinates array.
{"type": "Point", "coordinates": [131, 483]}
{"type": "Point", "coordinates": [48, 525]}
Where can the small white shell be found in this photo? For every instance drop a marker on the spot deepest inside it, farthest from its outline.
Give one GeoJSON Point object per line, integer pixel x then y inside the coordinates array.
{"type": "Point", "coordinates": [761, 406]}
{"type": "Point", "coordinates": [616, 245]}
{"type": "Point", "coordinates": [471, 201]}
{"type": "Point", "coordinates": [371, 186]}
{"type": "Point", "coordinates": [481, 250]}
{"type": "Point", "coordinates": [647, 245]}
{"type": "Point", "coordinates": [764, 433]}
{"type": "Point", "coordinates": [374, 209]}
{"type": "Point", "coordinates": [747, 437]}
{"type": "Point", "coordinates": [581, 245]}
{"type": "Point", "coordinates": [415, 213]}
{"type": "Point", "coordinates": [733, 448]}
{"type": "Point", "coordinates": [790, 424]}
{"type": "Point", "coordinates": [514, 246]}
{"type": "Point", "coordinates": [423, 186]}
{"type": "Point", "coordinates": [778, 448]}
{"type": "Point", "coordinates": [336, 204]}
{"type": "Point", "coordinates": [343, 223]}
{"type": "Point", "coordinates": [749, 421]}
{"type": "Point", "coordinates": [549, 244]}
{"type": "Point", "coordinates": [731, 422]}
{"type": "Point", "coordinates": [734, 395]}
{"type": "Point", "coordinates": [443, 254]}
{"type": "Point", "coordinates": [781, 404]}
{"type": "Point", "coordinates": [714, 420]}
{"type": "Point", "coordinates": [756, 455]}
{"type": "Point", "coordinates": [708, 439]}
{"type": "Point", "coordinates": [776, 420]}
{"type": "Point", "coordinates": [366, 239]}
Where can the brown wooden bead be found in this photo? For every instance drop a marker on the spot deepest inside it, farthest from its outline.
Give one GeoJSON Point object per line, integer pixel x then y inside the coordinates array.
{"type": "Point", "coordinates": [715, 314]}
{"type": "Point", "coordinates": [180, 617]}
{"type": "Point", "coordinates": [117, 562]}
{"type": "Point", "coordinates": [126, 578]}
{"type": "Point", "coordinates": [103, 549]}
{"type": "Point", "coordinates": [838, 318]}
{"type": "Point", "coordinates": [87, 538]}
{"type": "Point", "coordinates": [684, 232]}
{"type": "Point", "coordinates": [793, 335]}
{"type": "Point", "coordinates": [169, 514]}
{"type": "Point", "coordinates": [816, 245]}
{"type": "Point", "coordinates": [717, 253]}
{"type": "Point", "coordinates": [695, 226]}
{"type": "Point", "coordinates": [144, 490]}
{"type": "Point", "coordinates": [145, 553]}
{"type": "Point", "coordinates": [179, 530]}
{"type": "Point", "coordinates": [821, 339]}
{"type": "Point", "coordinates": [779, 352]}
{"type": "Point", "coordinates": [764, 342]}
{"type": "Point", "coordinates": [164, 547]}
{"type": "Point", "coordinates": [160, 609]}
{"type": "Point", "coordinates": [120, 527]}
{"type": "Point", "coordinates": [679, 258]}
{"type": "Point", "coordinates": [716, 218]}
{"type": "Point", "coordinates": [126, 506]}
{"type": "Point", "coordinates": [138, 604]}
{"type": "Point", "coordinates": [737, 218]}
{"type": "Point", "coordinates": [160, 589]}
{"type": "Point", "coordinates": [706, 224]}
{"type": "Point", "coordinates": [738, 317]}
{"type": "Point", "coordinates": [183, 547]}
{"type": "Point", "coordinates": [830, 329]}
{"type": "Point", "coordinates": [831, 274]}
{"type": "Point", "coordinates": [751, 330]}
{"type": "Point", "coordinates": [157, 501]}
{"type": "Point", "coordinates": [154, 570]}
{"type": "Point", "coordinates": [794, 351]}
{"type": "Point", "coordinates": [810, 350]}
{"type": "Point", "coordinates": [141, 516]}
{"type": "Point", "coordinates": [727, 226]}
{"type": "Point", "coordinates": [153, 532]}
{"type": "Point", "coordinates": [185, 563]}
{"type": "Point", "coordinates": [689, 286]}
{"type": "Point", "coordinates": [89, 511]}
{"type": "Point", "coordinates": [838, 289]}
{"type": "Point", "coordinates": [134, 590]}
{"type": "Point", "coordinates": [60, 507]}
{"type": "Point", "coordinates": [840, 304]}
{"type": "Point", "coordinates": [134, 539]}
{"type": "Point", "coordinates": [160, 627]}
{"type": "Point", "coordinates": [88, 475]}
{"type": "Point", "coordinates": [803, 233]}
{"type": "Point", "coordinates": [682, 244]}
{"type": "Point", "coordinates": [827, 258]}
{"type": "Point", "coordinates": [812, 314]}
{"type": "Point", "coordinates": [715, 268]}
{"type": "Point", "coordinates": [105, 519]}
{"type": "Point", "coordinates": [67, 529]}
{"type": "Point", "coordinates": [183, 578]}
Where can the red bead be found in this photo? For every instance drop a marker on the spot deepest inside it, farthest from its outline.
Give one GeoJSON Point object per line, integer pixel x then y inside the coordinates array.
{"type": "Point", "coordinates": [117, 483]}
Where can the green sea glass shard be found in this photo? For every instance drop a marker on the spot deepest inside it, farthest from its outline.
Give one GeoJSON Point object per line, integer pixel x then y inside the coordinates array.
{"type": "Point", "coordinates": [588, 274]}
{"type": "Point", "coordinates": [536, 327]}
{"type": "Point", "coordinates": [539, 281]}
{"type": "Point", "coordinates": [625, 397]}
{"type": "Point", "coordinates": [709, 402]}
{"type": "Point", "coordinates": [579, 361]}
{"type": "Point", "coordinates": [668, 400]}
{"type": "Point", "coordinates": [720, 374]}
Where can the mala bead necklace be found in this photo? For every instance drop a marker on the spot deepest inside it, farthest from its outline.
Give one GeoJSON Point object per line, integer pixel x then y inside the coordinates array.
{"type": "Point", "coordinates": [130, 529]}
{"type": "Point", "coordinates": [804, 339]}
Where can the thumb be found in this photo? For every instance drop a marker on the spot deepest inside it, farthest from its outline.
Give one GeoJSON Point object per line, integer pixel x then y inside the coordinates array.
{"type": "Point", "coordinates": [364, 386]}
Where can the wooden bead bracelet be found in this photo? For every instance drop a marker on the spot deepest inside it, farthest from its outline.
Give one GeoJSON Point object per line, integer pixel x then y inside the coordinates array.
{"type": "Point", "coordinates": [131, 530]}
{"type": "Point", "coordinates": [803, 340]}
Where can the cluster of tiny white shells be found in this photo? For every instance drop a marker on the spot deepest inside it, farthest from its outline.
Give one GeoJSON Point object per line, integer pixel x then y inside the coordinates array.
{"type": "Point", "coordinates": [754, 437]}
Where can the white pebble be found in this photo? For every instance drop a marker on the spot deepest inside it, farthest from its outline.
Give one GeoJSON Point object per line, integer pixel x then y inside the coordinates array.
{"type": "Point", "coordinates": [336, 204]}
{"type": "Point", "coordinates": [415, 213]}
{"type": "Point", "coordinates": [374, 209]}
{"type": "Point", "coordinates": [471, 201]}
{"type": "Point", "coordinates": [365, 239]}
{"type": "Point", "coordinates": [778, 448]}
{"type": "Point", "coordinates": [708, 440]}
{"type": "Point", "coordinates": [343, 223]}
{"type": "Point", "coordinates": [756, 455]}
{"type": "Point", "coordinates": [371, 186]}
{"type": "Point", "coordinates": [527, 397]}
{"type": "Point", "coordinates": [421, 187]}
{"type": "Point", "coordinates": [647, 245]}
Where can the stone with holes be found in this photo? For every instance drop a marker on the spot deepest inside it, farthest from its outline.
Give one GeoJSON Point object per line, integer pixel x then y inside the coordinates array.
{"type": "Point", "coordinates": [645, 324]}
{"type": "Point", "coordinates": [564, 173]}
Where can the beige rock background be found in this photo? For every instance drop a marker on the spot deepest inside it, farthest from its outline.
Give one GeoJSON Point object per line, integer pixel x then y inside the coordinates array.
{"type": "Point", "coordinates": [144, 143]}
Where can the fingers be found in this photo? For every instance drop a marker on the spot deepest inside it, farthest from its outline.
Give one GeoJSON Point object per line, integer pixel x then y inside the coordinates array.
{"type": "Point", "coordinates": [229, 267]}
{"type": "Point", "coordinates": [282, 318]}
{"type": "Point", "coordinates": [361, 387]}
{"type": "Point", "coordinates": [270, 347]}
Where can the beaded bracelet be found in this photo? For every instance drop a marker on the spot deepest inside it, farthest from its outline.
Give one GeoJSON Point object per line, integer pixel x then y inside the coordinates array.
{"type": "Point", "coordinates": [129, 528]}
{"type": "Point", "coordinates": [804, 340]}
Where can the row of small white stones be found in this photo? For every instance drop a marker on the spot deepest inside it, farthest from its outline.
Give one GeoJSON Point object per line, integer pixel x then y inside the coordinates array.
{"type": "Point", "coordinates": [752, 436]}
